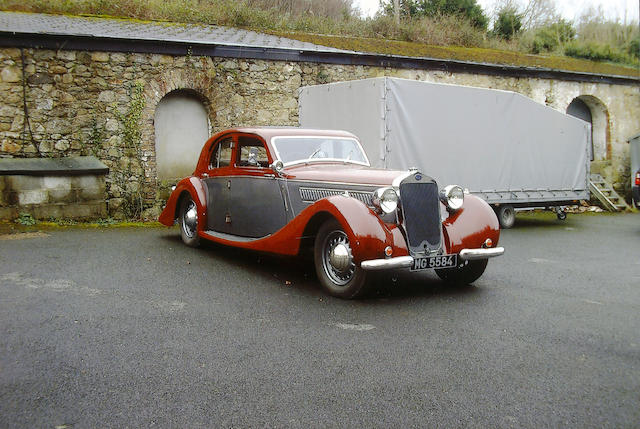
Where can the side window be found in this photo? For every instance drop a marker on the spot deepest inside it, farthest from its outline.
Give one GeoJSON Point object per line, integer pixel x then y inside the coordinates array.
{"type": "Point", "coordinates": [221, 156]}
{"type": "Point", "coordinates": [251, 153]}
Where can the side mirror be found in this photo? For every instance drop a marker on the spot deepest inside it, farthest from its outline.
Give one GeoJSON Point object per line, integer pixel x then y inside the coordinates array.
{"type": "Point", "coordinates": [277, 166]}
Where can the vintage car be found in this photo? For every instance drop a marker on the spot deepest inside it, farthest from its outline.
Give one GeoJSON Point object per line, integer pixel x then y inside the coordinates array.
{"type": "Point", "coordinates": [291, 190]}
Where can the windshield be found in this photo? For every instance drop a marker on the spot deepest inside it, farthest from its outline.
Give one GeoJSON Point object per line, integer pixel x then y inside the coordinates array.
{"type": "Point", "coordinates": [293, 150]}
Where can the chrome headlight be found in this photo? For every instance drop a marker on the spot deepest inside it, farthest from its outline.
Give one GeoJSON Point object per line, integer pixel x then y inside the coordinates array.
{"type": "Point", "coordinates": [386, 199]}
{"type": "Point", "coordinates": [453, 197]}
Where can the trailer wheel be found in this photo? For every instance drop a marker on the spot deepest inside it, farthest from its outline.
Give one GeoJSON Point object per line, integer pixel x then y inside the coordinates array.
{"type": "Point", "coordinates": [561, 214]}
{"type": "Point", "coordinates": [506, 216]}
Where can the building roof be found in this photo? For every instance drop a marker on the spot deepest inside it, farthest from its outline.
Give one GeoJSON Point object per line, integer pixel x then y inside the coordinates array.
{"type": "Point", "coordinates": [33, 30]}
{"type": "Point", "coordinates": [111, 28]}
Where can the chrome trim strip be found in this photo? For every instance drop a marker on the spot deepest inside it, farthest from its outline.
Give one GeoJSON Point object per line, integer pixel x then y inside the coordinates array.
{"type": "Point", "coordinates": [311, 195]}
{"type": "Point", "coordinates": [474, 254]}
{"type": "Point", "coordinates": [328, 182]}
{"type": "Point", "coordinates": [387, 264]}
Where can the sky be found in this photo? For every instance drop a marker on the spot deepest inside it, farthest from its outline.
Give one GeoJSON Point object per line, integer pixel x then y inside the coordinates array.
{"type": "Point", "coordinates": [570, 9]}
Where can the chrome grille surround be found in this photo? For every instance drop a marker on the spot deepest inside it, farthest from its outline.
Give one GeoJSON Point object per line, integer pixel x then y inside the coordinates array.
{"type": "Point", "coordinates": [311, 195]}
{"type": "Point", "coordinates": [419, 198]}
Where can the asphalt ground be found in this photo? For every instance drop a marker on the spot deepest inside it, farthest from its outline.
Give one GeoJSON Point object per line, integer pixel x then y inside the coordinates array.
{"type": "Point", "coordinates": [126, 327]}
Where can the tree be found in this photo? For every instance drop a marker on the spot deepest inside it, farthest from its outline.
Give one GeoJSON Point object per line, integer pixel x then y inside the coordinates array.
{"type": "Point", "coordinates": [533, 13]}
{"type": "Point", "coordinates": [538, 13]}
{"type": "Point", "coordinates": [468, 9]}
{"type": "Point", "coordinates": [551, 37]}
{"type": "Point", "coordinates": [508, 24]}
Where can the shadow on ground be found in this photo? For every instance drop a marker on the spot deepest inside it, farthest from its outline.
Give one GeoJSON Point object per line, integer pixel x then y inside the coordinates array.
{"type": "Point", "coordinates": [300, 273]}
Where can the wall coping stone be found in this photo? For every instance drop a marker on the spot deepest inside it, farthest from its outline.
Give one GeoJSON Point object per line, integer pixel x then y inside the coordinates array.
{"type": "Point", "coordinates": [69, 166]}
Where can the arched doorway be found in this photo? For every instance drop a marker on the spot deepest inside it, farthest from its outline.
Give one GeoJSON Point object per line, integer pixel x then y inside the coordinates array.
{"type": "Point", "coordinates": [590, 109]}
{"type": "Point", "coordinates": [181, 128]}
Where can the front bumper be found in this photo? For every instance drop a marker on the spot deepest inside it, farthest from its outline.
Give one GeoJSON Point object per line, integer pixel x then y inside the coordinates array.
{"type": "Point", "coordinates": [407, 261]}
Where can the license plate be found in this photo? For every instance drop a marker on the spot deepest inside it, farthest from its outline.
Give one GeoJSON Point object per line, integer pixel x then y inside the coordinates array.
{"type": "Point", "coordinates": [440, 261]}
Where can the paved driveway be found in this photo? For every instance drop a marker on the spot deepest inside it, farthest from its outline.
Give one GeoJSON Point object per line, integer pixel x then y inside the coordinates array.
{"type": "Point", "coordinates": [126, 327]}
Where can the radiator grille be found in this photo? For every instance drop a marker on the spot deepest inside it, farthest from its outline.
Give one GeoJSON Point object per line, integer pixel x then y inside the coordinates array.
{"type": "Point", "coordinates": [421, 210]}
{"type": "Point", "coordinates": [315, 194]}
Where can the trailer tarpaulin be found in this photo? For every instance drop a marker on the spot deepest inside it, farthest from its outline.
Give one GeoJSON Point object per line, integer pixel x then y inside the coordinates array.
{"type": "Point", "coordinates": [498, 144]}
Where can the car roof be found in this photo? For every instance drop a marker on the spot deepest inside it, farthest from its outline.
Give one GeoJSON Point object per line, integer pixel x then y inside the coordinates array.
{"type": "Point", "coordinates": [268, 133]}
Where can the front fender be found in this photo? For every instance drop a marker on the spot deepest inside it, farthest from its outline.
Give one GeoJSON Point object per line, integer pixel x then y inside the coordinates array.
{"type": "Point", "coordinates": [195, 187]}
{"type": "Point", "coordinates": [367, 233]}
{"type": "Point", "coordinates": [469, 227]}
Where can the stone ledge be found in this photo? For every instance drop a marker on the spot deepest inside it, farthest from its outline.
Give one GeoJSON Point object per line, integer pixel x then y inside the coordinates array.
{"type": "Point", "coordinates": [70, 166]}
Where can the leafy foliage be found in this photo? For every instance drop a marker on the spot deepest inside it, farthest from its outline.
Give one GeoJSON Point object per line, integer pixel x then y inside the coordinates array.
{"type": "Point", "coordinates": [597, 52]}
{"type": "Point", "coordinates": [25, 219]}
{"type": "Point", "coordinates": [130, 178]}
{"type": "Point", "coordinates": [468, 9]}
{"type": "Point", "coordinates": [551, 37]}
{"type": "Point", "coordinates": [508, 24]}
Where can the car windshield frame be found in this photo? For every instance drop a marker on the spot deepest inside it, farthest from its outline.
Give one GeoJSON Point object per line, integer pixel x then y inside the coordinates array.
{"type": "Point", "coordinates": [274, 143]}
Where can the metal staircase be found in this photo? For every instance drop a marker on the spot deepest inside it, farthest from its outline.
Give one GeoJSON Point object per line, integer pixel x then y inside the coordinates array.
{"type": "Point", "coordinates": [605, 193]}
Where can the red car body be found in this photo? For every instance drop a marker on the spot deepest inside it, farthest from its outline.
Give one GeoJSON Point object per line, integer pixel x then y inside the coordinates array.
{"type": "Point", "coordinates": [258, 202]}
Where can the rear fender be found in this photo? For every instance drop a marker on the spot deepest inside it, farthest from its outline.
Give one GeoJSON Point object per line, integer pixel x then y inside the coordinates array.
{"type": "Point", "coordinates": [194, 187]}
{"type": "Point", "coordinates": [469, 227]}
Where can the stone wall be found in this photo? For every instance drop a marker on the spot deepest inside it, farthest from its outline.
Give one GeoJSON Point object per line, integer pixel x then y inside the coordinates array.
{"type": "Point", "coordinates": [103, 104]}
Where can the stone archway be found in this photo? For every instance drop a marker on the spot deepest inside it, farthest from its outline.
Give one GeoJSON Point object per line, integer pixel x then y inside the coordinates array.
{"type": "Point", "coordinates": [593, 110]}
{"type": "Point", "coordinates": [181, 126]}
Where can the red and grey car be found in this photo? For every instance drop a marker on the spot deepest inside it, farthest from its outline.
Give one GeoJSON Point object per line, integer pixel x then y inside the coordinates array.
{"type": "Point", "coordinates": [287, 190]}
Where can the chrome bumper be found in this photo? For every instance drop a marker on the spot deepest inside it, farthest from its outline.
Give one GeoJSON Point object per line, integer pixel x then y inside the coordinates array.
{"type": "Point", "coordinates": [473, 254]}
{"type": "Point", "coordinates": [407, 261]}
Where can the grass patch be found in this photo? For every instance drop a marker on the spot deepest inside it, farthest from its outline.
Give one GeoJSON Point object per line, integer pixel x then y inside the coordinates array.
{"type": "Point", "coordinates": [480, 55]}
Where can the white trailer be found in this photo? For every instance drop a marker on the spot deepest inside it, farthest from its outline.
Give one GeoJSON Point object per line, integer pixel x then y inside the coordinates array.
{"type": "Point", "coordinates": [500, 145]}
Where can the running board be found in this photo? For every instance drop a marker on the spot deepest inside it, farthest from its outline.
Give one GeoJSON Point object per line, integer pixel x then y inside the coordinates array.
{"type": "Point", "coordinates": [229, 237]}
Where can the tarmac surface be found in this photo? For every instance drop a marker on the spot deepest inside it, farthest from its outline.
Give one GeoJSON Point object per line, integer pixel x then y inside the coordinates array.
{"type": "Point", "coordinates": [127, 327]}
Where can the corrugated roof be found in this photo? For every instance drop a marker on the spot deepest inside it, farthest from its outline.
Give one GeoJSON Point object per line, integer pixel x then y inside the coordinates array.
{"type": "Point", "coordinates": [111, 28]}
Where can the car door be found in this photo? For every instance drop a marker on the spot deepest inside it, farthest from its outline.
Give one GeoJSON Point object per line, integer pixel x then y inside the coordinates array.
{"type": "Point", "coordinates": [256, 203]}
{"type": "Point", "coordinates": [216, 180]}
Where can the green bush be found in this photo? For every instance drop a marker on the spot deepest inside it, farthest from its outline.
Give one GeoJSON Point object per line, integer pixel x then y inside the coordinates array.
{"type": "Point", "coordinates": [597, 52]}
{"type": "Point", "coordinates": [25, 219]}
{"type": "Point", "coordinates": [552, 37]}
{"type": "Point", "coordinates": [633, 48]}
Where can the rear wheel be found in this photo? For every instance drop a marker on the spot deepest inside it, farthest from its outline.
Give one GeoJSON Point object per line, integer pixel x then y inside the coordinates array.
{"type": "Point", "coordinates": [464, 275]}
{"type": "Point", "coordinates": [189, 222]}
{"type": "Point", "coordinates": [336, 270]}
{"type": "Point", "coordinates": [506, 216]}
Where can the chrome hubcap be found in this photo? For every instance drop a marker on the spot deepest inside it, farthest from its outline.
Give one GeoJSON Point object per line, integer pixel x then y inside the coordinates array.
{"type": "Point", "coordinates": [339, 257]}
{"type": "Point", "coordinates": [190, 219]}
{"type": "Point", "coordinates": [338, 261]}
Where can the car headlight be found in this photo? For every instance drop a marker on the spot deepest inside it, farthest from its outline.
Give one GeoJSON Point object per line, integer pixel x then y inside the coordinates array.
{"type": "Point", "coordinates": [453, 197]}
{"type": "Point", "coordinates": [386, 199]}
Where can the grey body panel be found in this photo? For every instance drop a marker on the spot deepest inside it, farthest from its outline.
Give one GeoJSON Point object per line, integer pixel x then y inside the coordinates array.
{"type": "Point", "coordinates": [217, 204]}
{"type": "Point", "coordinates": [245, 206]}
{"type": "Point", "coordinates": [502, 146]}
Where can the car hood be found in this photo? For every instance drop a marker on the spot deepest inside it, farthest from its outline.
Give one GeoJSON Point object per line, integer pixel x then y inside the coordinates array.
{"type": "Point", "coordinates": [342, 173]}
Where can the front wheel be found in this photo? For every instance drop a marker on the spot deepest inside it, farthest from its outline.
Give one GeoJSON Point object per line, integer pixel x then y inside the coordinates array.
{"type": "Point", "coordinates": [464, 275]}
{"type": "Point", "coordinates": [336, 270]}
{"type": "Point", "coordinates": [189, 222]}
